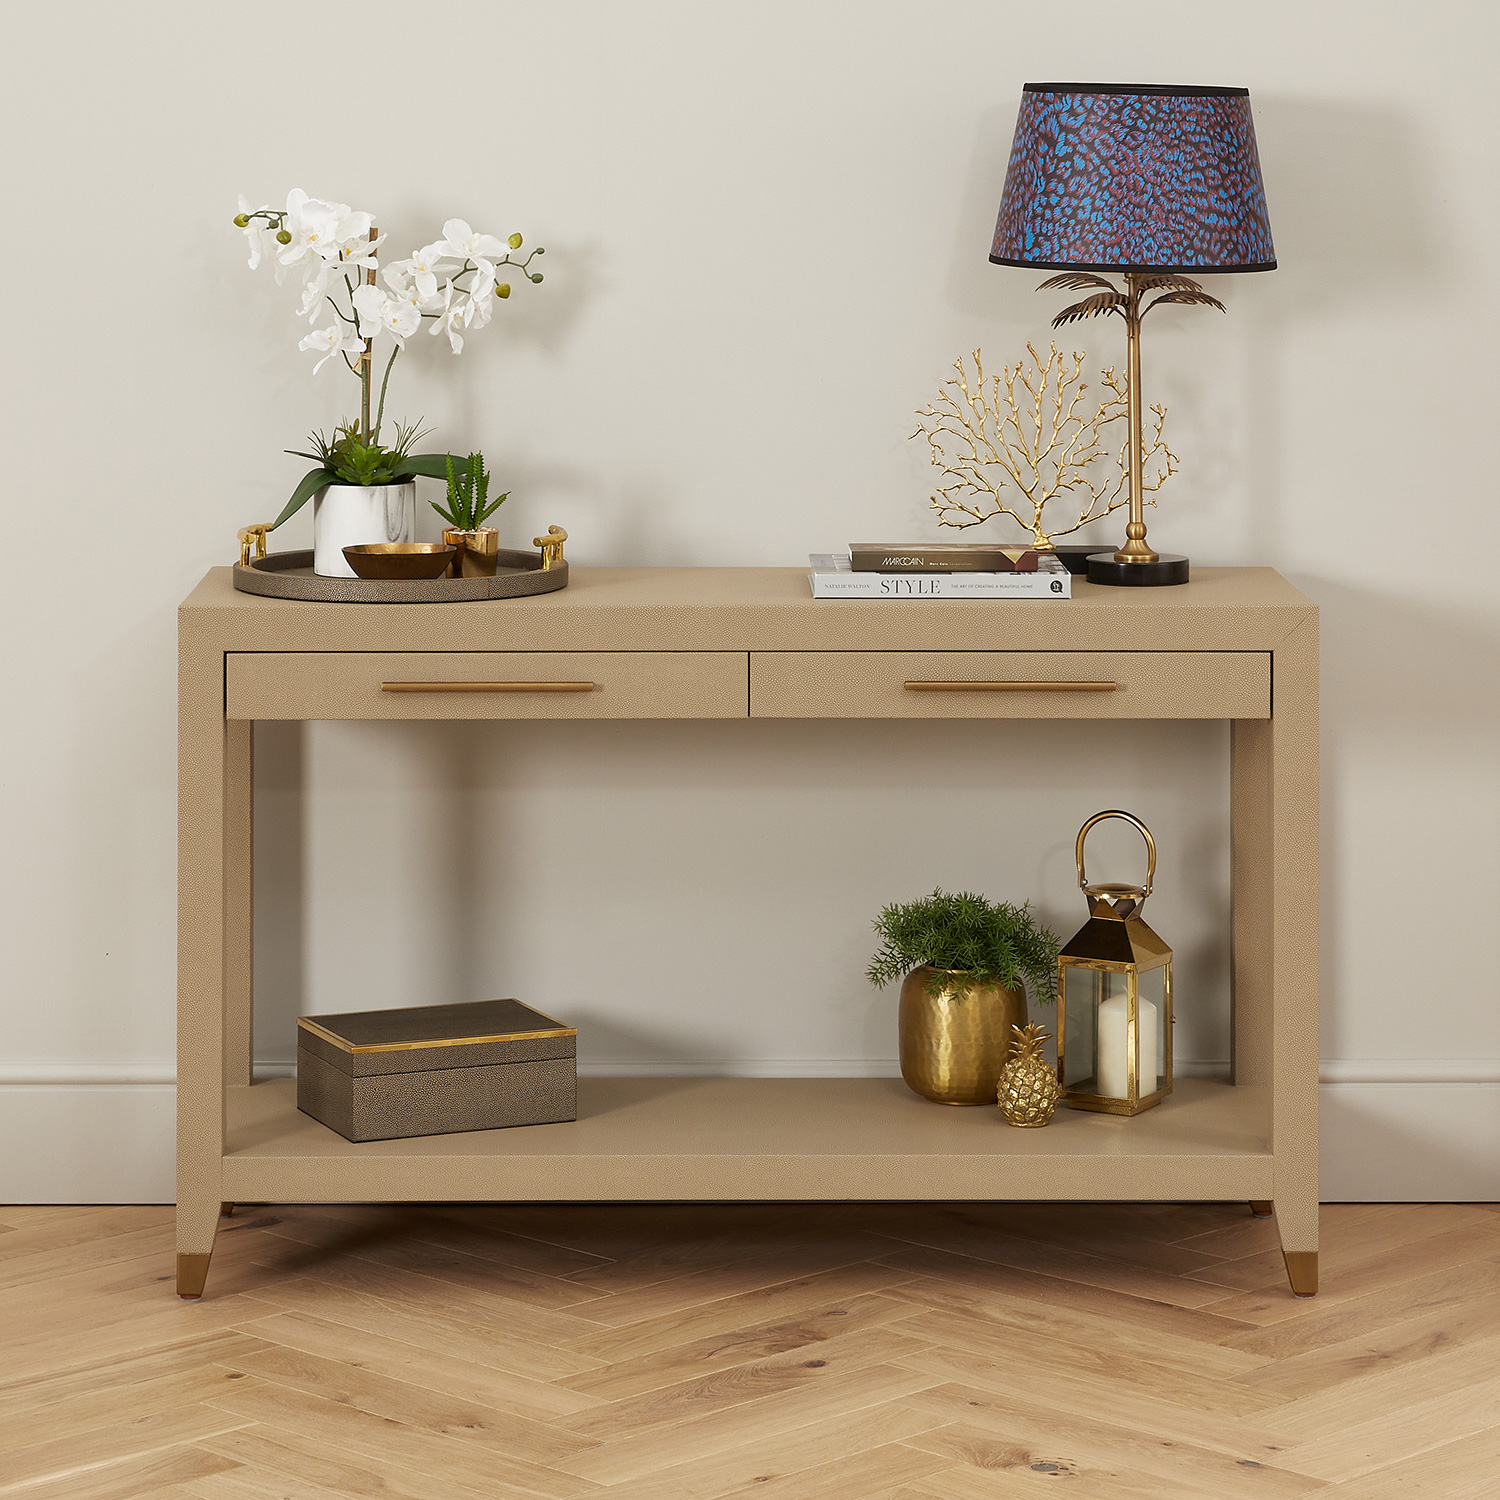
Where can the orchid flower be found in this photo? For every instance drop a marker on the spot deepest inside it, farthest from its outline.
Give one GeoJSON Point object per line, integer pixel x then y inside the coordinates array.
{"type": "Point", "coordinates": [410, 297]}
{"type": "Point", "coordinates": [455, 316]}
{"type": "Point", "coordinates": [324, 230]}
{"type": "Point", "coordinates": [319, 277]}
{"type": "Point", "coordinates": [423, 267]}
{"type": "Point", "coordinates": [330, 341]}
{"type": "Point", "coordinates": [398, 317]}
{"type": "Point", "coordinates": [463, 244]}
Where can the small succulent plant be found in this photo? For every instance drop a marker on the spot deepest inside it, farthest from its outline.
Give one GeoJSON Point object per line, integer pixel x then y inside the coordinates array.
{"type": "Point", "coordinates": [469, 505]}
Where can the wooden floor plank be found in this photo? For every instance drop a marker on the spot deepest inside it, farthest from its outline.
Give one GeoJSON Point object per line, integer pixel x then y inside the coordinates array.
{"type": "Point", "coordinates": [256, 1484]}
{"type": "Point", "coordinates": [430, 1411]}
{"type": "Point", "coordinates": [1398, 1344]}
{"type": "Point", "coordinates": [727, 1314]}
{"type": "Point", "coordinates": [854, 1478]}
{"type": "Point", "coordinates": [111, 1406]}
{"type": "Point", "coordinates": [1464, 1469]}
{"type": "Point", "coordinates": [1244, 1234]}
{"type": "Point", "coordinates": [81, 1230]}
{"type": "Point", "coordinates": [36, 1355]}
{"type": "Point", "coordinates": [74, 1454]}
{"type": "Point", "coordinates": [1389, 1397]}
{"type": "Point", "coordinates": [1121, 1403]}
{"type": "Point", "coordinates": [770, 1416]}
{"type": "Point", "coordinates": [1079, 1227]}
{"type": "Point", "coordinates": [537, 1400]}
{"type": "Point", "coordinates": [275, 1451]}
{"type": "Point", "coordinates": [1378, 1442]}
{"type": "Point", "coordinates": [1053, 1291]}
{"type": "Point", "coordinates": [796, 1369]}
{"type": "Point", "coordinates": [1084, 1267]}
{"type": "Point", "coordinates": [27, 1393]}
{"type": "Point", "coordinates": [714, 1283]}
{"type": "Point", "coordinates": [453, 1229]}
{"type": "Point", "coordinates": [1091, 1329]}
{"type": "Point", "coordinates": [453, 1267]}
{"type": "Point", "coordinates": [778, 1455]}
{"type": "Point", "coordinates": [1102, 1444]}
{"type": "Point", "coordinates": [1372, 1241]}
{"type": "Point", "coordinates": [993, 1468]}
{"type": "Point", "coordinates": [632, 1377]}
{"type": "Point", "coordinates": [128, 1479]}
{"type": "Point", "coordinates": [1370, 1273]}
{"type": "Point", "coordinates": [423, 1295]}
{"type": "Point", "coordinates": [1321, 1324]}
{"type": "Point", "coordinates": [343, 1428]}
{"type": "Point", "coordinates": [1029, 1354]}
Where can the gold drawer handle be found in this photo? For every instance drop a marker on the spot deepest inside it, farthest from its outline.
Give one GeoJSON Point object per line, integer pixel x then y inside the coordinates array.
{"type": "Point", "coordinates": [1011, 687]}
{"type": "Point", "coordinates": [488, 687]}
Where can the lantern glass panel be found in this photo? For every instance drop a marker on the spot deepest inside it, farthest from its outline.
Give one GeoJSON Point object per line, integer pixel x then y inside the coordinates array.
{"type": "Point", "coordinates": [1084, 990]}
{"type": "Point", "coordinates": [1153, 1022]}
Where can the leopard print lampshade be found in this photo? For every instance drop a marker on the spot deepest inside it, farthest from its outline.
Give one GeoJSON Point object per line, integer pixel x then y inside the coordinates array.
{"type": "Point", "coordinates": [1134, 177]}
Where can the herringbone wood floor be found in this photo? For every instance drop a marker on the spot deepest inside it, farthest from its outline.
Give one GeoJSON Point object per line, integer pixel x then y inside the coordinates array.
{"type": "Point", "coordinates": [865, 1352]}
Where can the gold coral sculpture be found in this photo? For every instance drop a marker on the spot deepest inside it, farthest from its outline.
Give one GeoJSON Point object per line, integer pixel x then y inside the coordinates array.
{"type": "Point", "coordinates": [1031, 430]}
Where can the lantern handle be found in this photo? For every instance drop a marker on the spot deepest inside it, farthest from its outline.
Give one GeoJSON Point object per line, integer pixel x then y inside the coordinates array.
{"type": "Point", "coordinates": [1115, 812]}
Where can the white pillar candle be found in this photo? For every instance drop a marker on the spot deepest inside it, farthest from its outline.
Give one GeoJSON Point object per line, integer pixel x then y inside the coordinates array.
{"type": "Point", "coordinates": [1112, 1076]}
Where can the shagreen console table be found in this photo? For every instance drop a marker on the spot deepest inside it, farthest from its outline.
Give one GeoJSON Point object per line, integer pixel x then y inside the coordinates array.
{"type": "Point", "coordinates": [734, 643]}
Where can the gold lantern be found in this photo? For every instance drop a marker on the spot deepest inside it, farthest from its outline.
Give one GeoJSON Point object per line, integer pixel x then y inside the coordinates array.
{"type": "Point", "coordinates": [1114, 996]}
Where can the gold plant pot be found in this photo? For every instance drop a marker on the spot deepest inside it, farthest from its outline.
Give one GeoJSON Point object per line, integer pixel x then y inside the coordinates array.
{"type": "Point", "coordinates": [955, 1042]}
{"type": "Point", "coordinates": [477, 551]}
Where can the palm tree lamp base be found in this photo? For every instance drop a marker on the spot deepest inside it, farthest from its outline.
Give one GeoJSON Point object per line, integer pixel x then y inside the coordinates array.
{"type": "Point", "coordinates": [1168, 568]}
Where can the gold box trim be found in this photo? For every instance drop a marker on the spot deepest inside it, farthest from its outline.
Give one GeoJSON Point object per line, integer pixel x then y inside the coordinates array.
{"type": "Point", "coordinates": [307, 1024]}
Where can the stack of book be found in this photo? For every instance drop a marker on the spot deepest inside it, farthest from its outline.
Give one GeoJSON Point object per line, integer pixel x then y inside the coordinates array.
{"type": "Point", "coordinates": [938, 570]}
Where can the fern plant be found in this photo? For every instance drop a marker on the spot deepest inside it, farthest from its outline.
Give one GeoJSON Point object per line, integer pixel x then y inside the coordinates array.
{"type": "Point", "coordinates": [469, 505]}
{"type": "Point", "coordinates": [994, 942]}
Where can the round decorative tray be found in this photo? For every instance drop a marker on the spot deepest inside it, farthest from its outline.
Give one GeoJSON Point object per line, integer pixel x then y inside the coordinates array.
{"type": "Point", "coordinates": [289, 575]}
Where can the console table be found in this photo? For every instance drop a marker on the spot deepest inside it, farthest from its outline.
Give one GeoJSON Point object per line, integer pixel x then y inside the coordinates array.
{"type": "Point", "coordinates": [736, 643]}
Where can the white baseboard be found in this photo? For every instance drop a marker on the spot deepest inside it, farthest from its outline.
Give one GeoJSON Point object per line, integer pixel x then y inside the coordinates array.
{"type": "Point", "coordinates": [1407, 1132]}
{"type": "Point", "coordinates": [87, 1143]}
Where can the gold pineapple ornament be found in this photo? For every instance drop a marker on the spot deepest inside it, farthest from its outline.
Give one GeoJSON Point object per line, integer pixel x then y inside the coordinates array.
{"type": "Point", "coordinates": [1029, 1089]}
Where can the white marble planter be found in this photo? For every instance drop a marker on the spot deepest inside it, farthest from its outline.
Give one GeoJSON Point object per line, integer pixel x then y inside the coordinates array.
{"type": "Point", "coordinates": [355, 515]}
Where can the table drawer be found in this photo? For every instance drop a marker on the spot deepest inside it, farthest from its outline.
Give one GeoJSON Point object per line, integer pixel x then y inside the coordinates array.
{"type": "Point", "coordinates": [1010, 685]}
{"type": "Point", "coordinates": [485, 685]}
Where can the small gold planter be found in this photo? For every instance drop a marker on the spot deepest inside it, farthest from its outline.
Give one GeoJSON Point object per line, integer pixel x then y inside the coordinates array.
{"type": "Point", "coordinates": [477, 551]}
{"type": "Point", "coordinates": [955, 1042]}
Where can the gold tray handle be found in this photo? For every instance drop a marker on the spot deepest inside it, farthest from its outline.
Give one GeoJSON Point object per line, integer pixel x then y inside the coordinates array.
{"type": "Point", "coordinates": [1115, 812]}
{"type": "Point", "coordinates": [552, 547]}
{"type": "Point", "coordinates": [257, 533]}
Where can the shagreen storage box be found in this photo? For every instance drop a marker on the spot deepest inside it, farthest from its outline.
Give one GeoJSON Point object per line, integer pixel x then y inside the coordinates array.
{"type": "Point", "coordinates": [377, 1075]}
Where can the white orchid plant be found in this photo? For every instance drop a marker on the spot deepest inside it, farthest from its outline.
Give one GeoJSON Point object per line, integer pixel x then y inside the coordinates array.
{"type": "Point", "coordinates": [451, 284]}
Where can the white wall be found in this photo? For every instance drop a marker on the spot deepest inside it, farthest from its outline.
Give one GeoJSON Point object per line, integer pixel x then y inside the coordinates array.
{"type": "Point", "coordinates": [766, 228]}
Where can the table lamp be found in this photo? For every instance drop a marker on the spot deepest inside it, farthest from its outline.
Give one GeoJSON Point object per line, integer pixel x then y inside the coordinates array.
{"type": "Point", "coordinates": [1149, 180]}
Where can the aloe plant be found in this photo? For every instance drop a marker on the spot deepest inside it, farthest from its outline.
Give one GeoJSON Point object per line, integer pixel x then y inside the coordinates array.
{"type": "Point", "coordinates": [469, 505]}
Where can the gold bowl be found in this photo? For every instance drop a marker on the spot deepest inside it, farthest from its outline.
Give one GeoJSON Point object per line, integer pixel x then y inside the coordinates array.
{"type": "Point", "coordinates": [400, 559]}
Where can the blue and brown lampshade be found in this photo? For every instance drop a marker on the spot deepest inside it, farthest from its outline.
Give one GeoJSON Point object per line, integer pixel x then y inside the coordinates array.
{"type": "Point", "coordinates": [1134, 177]}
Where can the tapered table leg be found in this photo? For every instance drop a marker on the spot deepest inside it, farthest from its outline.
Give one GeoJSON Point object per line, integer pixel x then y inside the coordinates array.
{"type": "Point", "coordinates": [211, 775]}
{"type": "Point", "coordinates": [197, 1224]}
{"type": "Point", "coordinates": [1302, 1271]}
{"type": "Point", "coordinates": [1260, 1209]}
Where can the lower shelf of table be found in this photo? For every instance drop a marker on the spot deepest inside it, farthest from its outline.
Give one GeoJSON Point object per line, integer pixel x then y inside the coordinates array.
{"type": "Point", "coordinates": [762, 1138]}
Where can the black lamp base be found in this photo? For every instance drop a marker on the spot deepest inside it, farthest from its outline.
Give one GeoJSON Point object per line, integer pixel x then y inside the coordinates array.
{"type": "Point", "coordinates": [1169, 567]}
